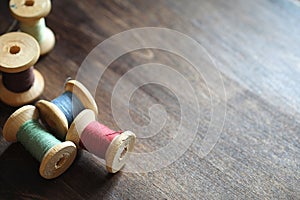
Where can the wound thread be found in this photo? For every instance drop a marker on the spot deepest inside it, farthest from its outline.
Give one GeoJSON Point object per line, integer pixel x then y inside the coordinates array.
{"type": "Point", "coordinates": [36, 139]}
{"type": "Point", "coordinates": [36, 30]}
{"type": "Point", "coordinates": [18, 82]}
{"type": "Point", "coordinates": [69, 104]}
{"type": "Point", "coordinates": [97, 137]}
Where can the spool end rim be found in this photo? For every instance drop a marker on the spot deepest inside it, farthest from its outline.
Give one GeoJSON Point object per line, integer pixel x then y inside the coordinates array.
{"type": "Point", "coordinates": [48, 43]}
{"type": "Point", "coordinates": [58, 159]}
{"type": "Point", "coordinates": [82, 94]}
{"type": "Point", "coordinates": [19, 51]}
{"type": "Point", "coordinates": [78, 125]}
{"type": "Point", "coordinates": [53, 117]}
{"type": "Point", "coordinates": [16, 120]}
{"type": "Point", "coordinates": [30, 10]}
{"type": "Point", "coordinates": [117, 152]}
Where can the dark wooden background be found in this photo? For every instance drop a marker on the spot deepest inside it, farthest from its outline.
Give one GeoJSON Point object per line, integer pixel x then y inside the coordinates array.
{"type": "Point", "coordinates": [256, 45]}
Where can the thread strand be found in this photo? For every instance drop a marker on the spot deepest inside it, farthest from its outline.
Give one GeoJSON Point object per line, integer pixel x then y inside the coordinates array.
{"type": "Point", "coordinates": [69, 104]}
{"type": "Point", "coordinates": [96, 138]}
{"type": "Point", "coordinates": [37, 30]}
{"type": "Point", "coordinates": [18, 82]}
{"type": "Point", "coordinates": [35, 139]}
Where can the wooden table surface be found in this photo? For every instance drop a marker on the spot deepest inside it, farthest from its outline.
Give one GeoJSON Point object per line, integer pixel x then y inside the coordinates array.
{"type": "Point", "coordinates": [256, 48]}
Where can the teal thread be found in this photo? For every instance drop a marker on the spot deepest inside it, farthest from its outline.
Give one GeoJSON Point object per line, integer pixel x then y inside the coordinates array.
{"type": "Point", "coordinates": [36, 30]}
{"type": "Point", "coordinates": [13, 6]}
{"type": "Point", "coordinates": [35, 139]}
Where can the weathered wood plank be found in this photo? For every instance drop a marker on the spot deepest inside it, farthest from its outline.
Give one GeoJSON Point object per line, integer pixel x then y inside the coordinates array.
{"type": "Point", "coordinates": [256, 47]}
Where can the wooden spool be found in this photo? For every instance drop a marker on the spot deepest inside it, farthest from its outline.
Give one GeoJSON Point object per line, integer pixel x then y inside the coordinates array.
{"type": "Point", "coordinates": [117, 152]}
{"type": "Point", "coordinates": [55, 118]}
{"type": "Point", "coordinates": [57, 160]}
{"type": "Point", "coordinates": [30, 12]}
{"type": "Point", "coordinates": [19, 51]}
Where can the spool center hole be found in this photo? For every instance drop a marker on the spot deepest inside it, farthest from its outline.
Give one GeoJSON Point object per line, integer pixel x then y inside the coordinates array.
{"type": "Point", "coordinates": [14, 49]}
{"type": "Point", "coordinates": [29, 2]}
{"type": "Point", "coordinates": [123, 153]}
{"type": "Point", "coordinates": [60, 162]}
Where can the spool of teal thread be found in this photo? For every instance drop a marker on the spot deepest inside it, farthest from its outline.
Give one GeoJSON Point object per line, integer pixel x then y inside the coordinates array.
{"type": "Point", "coordinates": [55, 156]}
{"type": "Point", "coordinates": [38, 30]}
{"type": "Point", "coordinates": [31, 15]}
{"type": "Point", "coordinates": [35, 139]}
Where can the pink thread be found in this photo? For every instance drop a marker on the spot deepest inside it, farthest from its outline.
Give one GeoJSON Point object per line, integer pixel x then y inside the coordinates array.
{"type": "Point", "coordinates": [96, 138]}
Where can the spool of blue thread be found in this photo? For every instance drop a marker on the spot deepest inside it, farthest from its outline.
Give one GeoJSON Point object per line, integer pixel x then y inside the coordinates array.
{"type": "Point", "coordinates": [55, 156]}
{"type": "Point", "coordinates": [69, 104]}
{"type": "Point", "coordinates": [61, 111]}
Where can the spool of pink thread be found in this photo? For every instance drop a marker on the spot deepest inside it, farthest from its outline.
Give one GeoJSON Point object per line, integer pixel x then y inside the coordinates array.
{"type": "Point", "coordinates": [113, 146]}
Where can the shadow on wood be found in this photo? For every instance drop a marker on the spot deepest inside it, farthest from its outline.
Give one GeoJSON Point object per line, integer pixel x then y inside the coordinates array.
{"type": "Point", "coordinates": [20, 177]}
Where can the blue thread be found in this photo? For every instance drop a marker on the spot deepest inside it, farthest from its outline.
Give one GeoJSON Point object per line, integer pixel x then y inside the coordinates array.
{"type": "Point", "coordinates": [69, 104]}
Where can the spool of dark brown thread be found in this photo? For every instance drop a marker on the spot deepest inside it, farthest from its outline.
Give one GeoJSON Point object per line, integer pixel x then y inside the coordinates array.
{"type": "Point", "coordinates": [20, 83]}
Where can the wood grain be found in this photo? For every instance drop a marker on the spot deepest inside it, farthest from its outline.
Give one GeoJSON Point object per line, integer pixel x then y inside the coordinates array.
{"type": "Point", "coordinates": [256, 46]}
